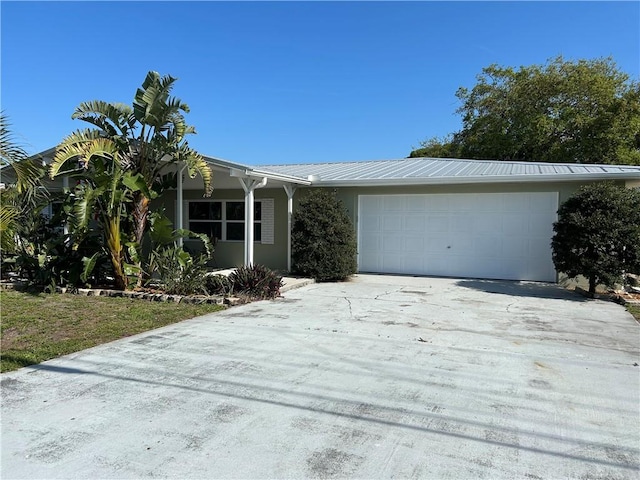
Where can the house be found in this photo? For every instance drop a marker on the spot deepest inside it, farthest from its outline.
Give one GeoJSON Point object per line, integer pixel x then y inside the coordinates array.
{"type": "Point", "coordinates": [422, 216]}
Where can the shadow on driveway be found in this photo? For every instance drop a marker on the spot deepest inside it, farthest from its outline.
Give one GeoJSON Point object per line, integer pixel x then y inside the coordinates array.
{"type": "Point", "coordinates": [522, 289]}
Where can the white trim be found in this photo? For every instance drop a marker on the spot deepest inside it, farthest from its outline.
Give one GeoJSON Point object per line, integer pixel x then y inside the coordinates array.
{"type": "Point", "coordinates": [223, 221]}
{"type": "Point", "coordinates": [570, 177]}
{"type": "Point", "coordinates": [290, 190]}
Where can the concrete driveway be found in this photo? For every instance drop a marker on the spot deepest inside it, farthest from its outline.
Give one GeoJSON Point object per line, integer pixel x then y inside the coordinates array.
{"type": "Point", "coordinates": [378, 377]}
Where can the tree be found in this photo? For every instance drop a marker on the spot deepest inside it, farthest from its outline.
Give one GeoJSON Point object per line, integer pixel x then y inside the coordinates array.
{"type": "Point", "coordinates": [24, 192]}
{"type": "Point", "coordinates": [597, 234]}
{"type": "Point", "coordinates": [585, 111]}
{"type": "Point", "coordinates": [103, 191]}
{"type": "Point", "coordinates": [144, 140]}
{"type": "Point", "coordinates": [436, 147]}
{"type": "Point", "coordinates": [323, 240]}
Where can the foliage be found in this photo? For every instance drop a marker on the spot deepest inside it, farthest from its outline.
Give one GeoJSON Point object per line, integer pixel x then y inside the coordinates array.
{"type": "Point", "coordinates": [46, 257]}
{"type": "Point", "coordinates": [133, 148]}
{"type": "Point", "coordinates": [585, 111]}
{"type": "Point", "coordinates": [23, 191]}
{"type": "Point", "coordinates": [218, 285]}
{"type": "Point", "coordinates": [178, 272]}
{"type": "Point", "coordinates": [436, 147]}
{"type": "Point", "coordinates": [597, 234]}
{"type": "Point", "coordinates": [323, 239]}
{"type": "Point", "coordinates": [39, 327]}
{"type": "Point", "coordinates": [256, 281]}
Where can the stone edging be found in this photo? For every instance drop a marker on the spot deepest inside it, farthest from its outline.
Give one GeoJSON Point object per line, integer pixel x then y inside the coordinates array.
{"type": "Point", "coordinates": [152, 297]}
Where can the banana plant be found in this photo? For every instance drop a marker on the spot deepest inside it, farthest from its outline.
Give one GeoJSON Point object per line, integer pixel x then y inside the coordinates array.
{"type": "Point", "coordinates": [151, 136]}
{"type": "Point", "coordinates": [103, 192]}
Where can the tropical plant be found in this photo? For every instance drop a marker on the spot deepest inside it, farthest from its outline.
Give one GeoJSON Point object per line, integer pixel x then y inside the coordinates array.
{"type": "Point", "coordinates": [176, 270]}
{"type": "Point", "coordinates": [103, 191]}
{"type": "Point", "coordinates": [218, 285]}
{"type": "Point", "coordinates": [22, 188]}
{"type": "Point", "coordinates": [597, 234]}
{"type": "Point", "coordinates": [141, 142]}
{"type": "Point", "coordinates": [256, 281]}
{"type": "Point", "coordinates": [323, 240]}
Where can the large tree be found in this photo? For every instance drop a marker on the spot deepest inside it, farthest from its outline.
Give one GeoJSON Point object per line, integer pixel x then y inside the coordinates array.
{"type": "Point", "coordinates": [584, 111]}
{"type": "Point", "coordinates": [142, 141]}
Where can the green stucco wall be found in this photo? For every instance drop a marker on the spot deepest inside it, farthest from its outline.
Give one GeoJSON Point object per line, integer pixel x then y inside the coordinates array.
{"type": "Point", "coordinates": [231, 254]}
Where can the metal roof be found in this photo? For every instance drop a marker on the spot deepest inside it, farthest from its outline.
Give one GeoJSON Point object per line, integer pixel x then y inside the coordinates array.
{"type": "Point", "coordinates": [408, 171]}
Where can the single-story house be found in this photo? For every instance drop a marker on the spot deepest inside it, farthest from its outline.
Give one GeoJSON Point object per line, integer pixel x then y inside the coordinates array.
{"type": "Point", "coordinates": [422, 216]}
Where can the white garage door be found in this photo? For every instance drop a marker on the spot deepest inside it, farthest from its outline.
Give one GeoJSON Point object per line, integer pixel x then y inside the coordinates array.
{"type": "Point", "coordinates": [488, 235]}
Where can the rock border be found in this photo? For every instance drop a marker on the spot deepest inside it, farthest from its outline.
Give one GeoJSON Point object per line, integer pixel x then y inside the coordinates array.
{"type": "Point", "coordinates": [152, 297]}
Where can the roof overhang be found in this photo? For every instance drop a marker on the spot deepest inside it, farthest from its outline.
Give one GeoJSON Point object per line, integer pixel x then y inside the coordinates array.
{"type": "Point", "coordinates": [244, 171]}
{"type": "Point", "coordinates": [476, 180]}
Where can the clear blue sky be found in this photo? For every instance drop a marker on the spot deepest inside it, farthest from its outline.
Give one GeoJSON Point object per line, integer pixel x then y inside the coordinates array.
{"type": "Point", "coordinates": [290, 82]}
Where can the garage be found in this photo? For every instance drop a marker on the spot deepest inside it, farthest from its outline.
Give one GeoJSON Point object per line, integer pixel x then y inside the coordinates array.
{"type": "Point", "coordinates": [480, 235]}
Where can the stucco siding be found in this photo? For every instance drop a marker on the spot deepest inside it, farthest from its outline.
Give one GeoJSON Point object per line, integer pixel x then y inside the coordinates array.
{"type": "Point", "coordinates": [230, 254]}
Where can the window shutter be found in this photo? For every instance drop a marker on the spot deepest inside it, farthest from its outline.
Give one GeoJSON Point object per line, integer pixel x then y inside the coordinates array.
{"type": "Point", "coordinates": [267, 221]}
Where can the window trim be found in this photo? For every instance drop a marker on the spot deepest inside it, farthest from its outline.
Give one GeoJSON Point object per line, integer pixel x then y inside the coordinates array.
{"type": "Point", "coordinates": [223, 221]}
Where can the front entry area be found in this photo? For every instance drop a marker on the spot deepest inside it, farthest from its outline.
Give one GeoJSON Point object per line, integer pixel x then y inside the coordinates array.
{"type": "Point", "coordinates": [480, 235]}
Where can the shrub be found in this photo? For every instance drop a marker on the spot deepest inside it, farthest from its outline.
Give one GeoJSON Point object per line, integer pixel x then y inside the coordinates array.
{"type": "Point", "coordinates": [256, 281]}
{"type": "Point", "coordinates": [178, 272]}
{"type": "Point", "coordinates": [218, 285]}
{"type": "Point", "coordinates": [597, 234]}
{"type": "Point", "coordinates": [323, 239]}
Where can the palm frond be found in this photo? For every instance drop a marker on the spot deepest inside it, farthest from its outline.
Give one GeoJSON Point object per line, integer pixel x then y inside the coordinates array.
{"type": "Point", "coordinates": [196, 165]}
{"type": "Point", "coordinates": [110, 117]}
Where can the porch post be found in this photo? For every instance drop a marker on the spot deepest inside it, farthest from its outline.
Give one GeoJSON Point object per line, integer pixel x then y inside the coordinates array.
{"type": "Point", "coordinates": [249, 186]}
{"type": "Point", "coordinates": [290, 189]}
{"type": "Point", "coordinates": [179, 206]}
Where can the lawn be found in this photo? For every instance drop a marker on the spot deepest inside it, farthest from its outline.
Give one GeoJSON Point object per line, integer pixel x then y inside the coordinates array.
{"type": "Point", "coordinates": [38, 327]}
{"type": "Point", "coordinates": [635, 311]}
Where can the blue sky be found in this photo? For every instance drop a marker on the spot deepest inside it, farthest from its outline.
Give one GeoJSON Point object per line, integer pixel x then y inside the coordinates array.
{"type": "Point", "coordinates": [289, 82]}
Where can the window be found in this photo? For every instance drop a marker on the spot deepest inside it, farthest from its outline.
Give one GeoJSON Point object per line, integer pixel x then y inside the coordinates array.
{"type": "Point", "coordinates": [224, 219]}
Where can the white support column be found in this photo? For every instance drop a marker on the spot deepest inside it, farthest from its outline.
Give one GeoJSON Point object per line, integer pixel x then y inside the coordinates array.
{"type": "Point", "coordinates": [290, 189]}
{"type": "Point", "coordinates": [179, 206]}
{"type": "Point", "coordinates": [249, 185]}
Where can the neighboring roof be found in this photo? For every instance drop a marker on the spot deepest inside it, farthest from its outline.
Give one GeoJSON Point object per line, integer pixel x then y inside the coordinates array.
{"type": "Point", "coordinates": [412, 171]}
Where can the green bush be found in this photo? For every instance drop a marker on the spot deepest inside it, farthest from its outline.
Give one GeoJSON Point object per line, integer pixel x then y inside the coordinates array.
{"type": "Point", "coordinates": [323, 239]}
{"type": "Point", "coordinates": [256, 281]}
{"type": "Point", "coordinates": [178, 272]}
{"type": "Point", "coordinates": [597, 234]}
{"type": "Point", "coordinates": [218, 285]}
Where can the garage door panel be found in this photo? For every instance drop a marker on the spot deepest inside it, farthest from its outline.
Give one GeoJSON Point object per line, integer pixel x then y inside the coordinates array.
{"type": "Point", "coordinates": [488, 223]}
{"type": "Point", "coordinates": [437, 224]}
{"type": "Point", "coordinates": [413, 245]}
{"type": "Point", "coordinates": [414, 223]}
{"type": "Point", "coordinates": [502, 235]}
{"type": "Point", "coordinates": [394, 204]}
{"type": "Point", "coordinates": [370, 223]}
{"type": "Point", "coordinates": [392, 223]}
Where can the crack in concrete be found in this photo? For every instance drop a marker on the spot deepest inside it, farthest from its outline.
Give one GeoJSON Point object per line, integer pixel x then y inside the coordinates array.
{"type": "Point", "coordinates": [350, 307]}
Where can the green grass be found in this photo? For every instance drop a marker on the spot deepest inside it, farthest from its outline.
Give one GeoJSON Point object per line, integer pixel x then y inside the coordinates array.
{"type": "Point", "coordinates": [635, 311]}
{"type": "Point", "coordinates": [35, 328]}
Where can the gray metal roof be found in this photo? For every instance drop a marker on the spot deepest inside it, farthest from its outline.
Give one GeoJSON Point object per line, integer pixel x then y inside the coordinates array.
{"type": "Point", "coordinates": [409, 171]}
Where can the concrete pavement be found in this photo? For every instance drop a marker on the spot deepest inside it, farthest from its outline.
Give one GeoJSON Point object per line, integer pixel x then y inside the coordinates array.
{"type": "Point", "coordinates": [378, 377]}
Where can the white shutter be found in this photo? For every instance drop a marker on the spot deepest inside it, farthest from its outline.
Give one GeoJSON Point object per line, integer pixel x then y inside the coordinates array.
{"type": "Point", "coordinates": [267, 221]}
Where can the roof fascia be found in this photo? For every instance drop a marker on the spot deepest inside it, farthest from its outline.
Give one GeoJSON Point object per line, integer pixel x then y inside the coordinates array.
{"type": "Point", "coordinates": [574, 177]}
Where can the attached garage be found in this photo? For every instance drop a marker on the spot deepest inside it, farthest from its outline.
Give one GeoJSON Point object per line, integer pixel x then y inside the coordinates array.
{"type": "Point", "coordinates": [482, 235]}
